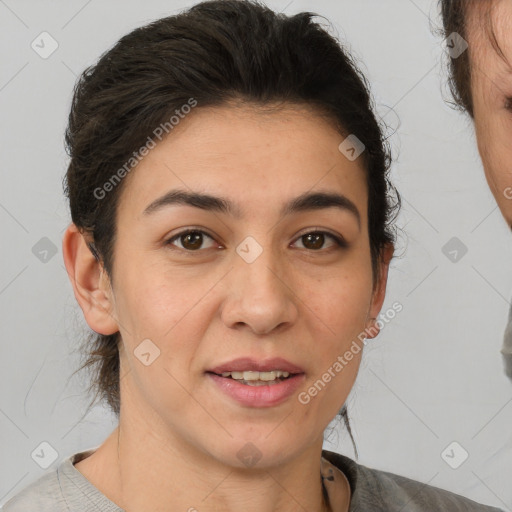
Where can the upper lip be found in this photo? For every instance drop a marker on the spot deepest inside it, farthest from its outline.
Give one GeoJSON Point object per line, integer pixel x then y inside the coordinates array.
{"type": "Point", "coordinates": [250, 364]}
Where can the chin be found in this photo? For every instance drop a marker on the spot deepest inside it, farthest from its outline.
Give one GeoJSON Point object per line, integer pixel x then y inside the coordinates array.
{"type": "Point", "coordinates": [257, 453]}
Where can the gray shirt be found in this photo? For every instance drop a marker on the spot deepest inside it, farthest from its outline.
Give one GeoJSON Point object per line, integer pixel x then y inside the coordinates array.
{"type": "Point", "coordinates": [65, 489]}
{"type": "Point", "coordinates": [506, 349]}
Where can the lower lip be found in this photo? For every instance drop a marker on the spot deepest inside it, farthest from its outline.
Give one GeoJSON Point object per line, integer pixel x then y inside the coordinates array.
{"type": "Point", "coordinates": [258, 396]}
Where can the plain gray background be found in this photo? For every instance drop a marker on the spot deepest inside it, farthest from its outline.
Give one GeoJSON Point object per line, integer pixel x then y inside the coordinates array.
{"type": "Point", "coordinates": [433, 376]}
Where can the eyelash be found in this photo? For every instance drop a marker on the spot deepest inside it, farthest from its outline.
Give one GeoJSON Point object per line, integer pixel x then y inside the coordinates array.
{"type": "Point", "coordinates": [340, 242]}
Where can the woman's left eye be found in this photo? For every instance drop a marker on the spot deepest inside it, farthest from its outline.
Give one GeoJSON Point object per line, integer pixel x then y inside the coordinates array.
{"type": "Point", "coordinates": [317, 238]}
{"type": "Point", "coordinates": [192, 239]}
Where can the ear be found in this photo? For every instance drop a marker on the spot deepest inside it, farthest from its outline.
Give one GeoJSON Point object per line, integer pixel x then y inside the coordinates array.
{"type": "Point", "coordinates": [379, 291]}
{"type": "Point", "coordinates": [90, 282]}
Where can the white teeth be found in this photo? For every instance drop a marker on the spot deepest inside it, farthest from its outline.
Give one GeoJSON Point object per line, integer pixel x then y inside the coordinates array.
{"type": "Point", "coordinates": [267, 376]}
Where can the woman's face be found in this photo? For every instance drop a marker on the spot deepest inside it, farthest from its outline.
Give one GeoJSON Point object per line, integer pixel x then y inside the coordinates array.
{"type": "Point", "coordinates": [491, 77]}
{"type": "Point", "coordinates": [248, 283]}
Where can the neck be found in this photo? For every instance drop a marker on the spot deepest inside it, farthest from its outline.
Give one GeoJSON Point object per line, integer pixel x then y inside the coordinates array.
{"type": "Point", "coordinates": [166, 473]}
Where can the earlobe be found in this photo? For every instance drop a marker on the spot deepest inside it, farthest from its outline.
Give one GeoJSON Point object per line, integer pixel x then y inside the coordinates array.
{"type": "Point", "coordinates": [379, 293]}
{"type": "Point", "coordinates": [89, 281]}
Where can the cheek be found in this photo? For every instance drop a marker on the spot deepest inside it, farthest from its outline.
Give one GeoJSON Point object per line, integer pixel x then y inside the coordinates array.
{"type": "Point", "coordinates": [150, 300]}
{"type": "Point", "coordinates": [345, 310]}
{"type": "Point", "coordinates": [493, 130]}
{"type": "Point", "coordinates": [346, 306]}
{"type": "Point", "coordinates": [494, 138]}
{"type": "Point", "coordinates": [337, 306]}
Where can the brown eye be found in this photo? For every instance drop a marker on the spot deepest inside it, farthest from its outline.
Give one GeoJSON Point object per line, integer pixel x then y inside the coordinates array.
{"type": "Point", "coordinates": [314, 240]}
{"type": "Point", "coordinates": [191, 240]}
{"type": "Point", "coordinates": [508, 104]}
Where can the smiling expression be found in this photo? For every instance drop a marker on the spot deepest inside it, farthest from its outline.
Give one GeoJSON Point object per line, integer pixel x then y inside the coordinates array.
{"type": "Point", "coordinates": [242, 234]}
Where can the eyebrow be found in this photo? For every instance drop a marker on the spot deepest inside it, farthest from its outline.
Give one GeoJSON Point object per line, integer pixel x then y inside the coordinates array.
{"type": "Point", "coordinates": [304, 202]}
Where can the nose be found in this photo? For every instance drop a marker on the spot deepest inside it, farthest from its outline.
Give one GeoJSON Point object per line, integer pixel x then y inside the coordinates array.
{"type": "Point", "coordinates": [261, 294]}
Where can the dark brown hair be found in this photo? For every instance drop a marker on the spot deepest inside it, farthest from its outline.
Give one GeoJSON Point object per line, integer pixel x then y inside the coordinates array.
{"type": "Point", "coordinates": [455, 14]}
{"type": "Point", "coordinates": [215, 52]}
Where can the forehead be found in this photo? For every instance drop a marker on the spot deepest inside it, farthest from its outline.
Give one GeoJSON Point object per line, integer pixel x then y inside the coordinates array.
{"type": "Point", "coordinates": [253, 157]}
{"type": "Point", "coordinates": [488, 30]}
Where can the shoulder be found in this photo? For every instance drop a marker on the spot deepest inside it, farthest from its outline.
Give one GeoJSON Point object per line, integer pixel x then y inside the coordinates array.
{"type": "Point", "coordinates": [374, 490]}
{"type": "Point", "coordinates": [43, 495]}
{"type": "Point", "coordinates": [63, 489]}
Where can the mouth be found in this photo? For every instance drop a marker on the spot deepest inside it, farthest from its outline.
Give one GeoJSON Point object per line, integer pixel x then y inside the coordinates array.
{"type": "Point", "coordinates": [251, 365]}
{"type": "Point", "coordinates": [250, 389]}
{"type": "Point", "coordinates": [256, 382]}
{"type": "Point", "coordinates": [256, 378]}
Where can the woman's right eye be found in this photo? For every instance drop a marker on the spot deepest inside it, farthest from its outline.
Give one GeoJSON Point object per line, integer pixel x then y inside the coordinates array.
{"type": "Point", "coordinates": [191, 239]}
